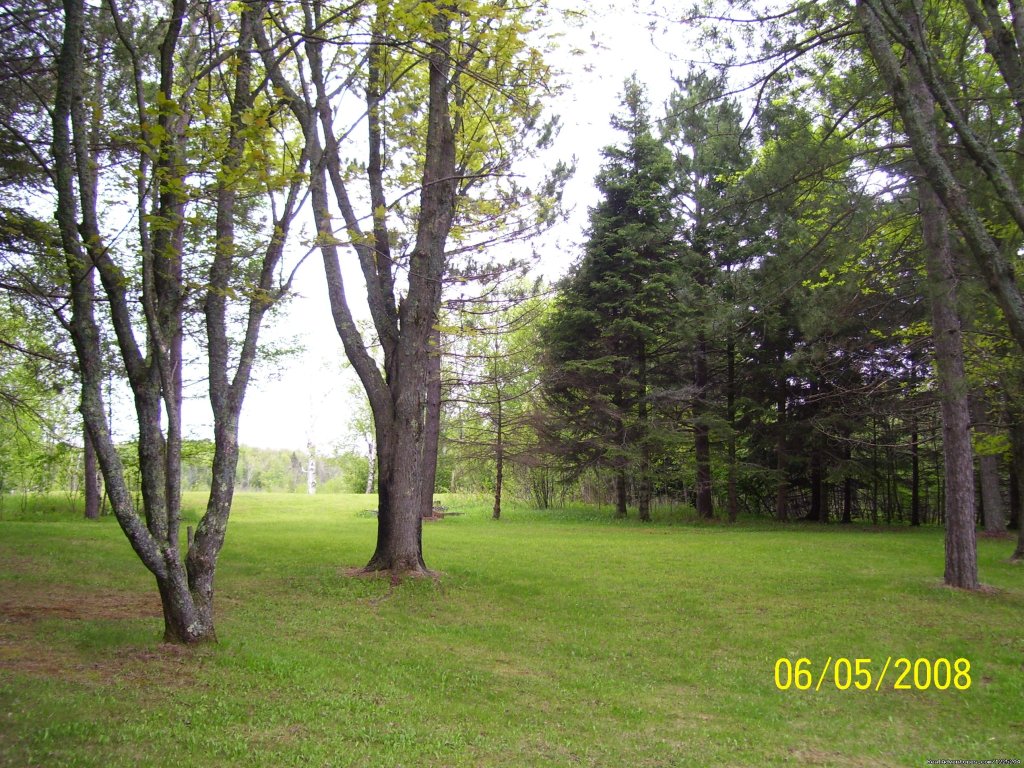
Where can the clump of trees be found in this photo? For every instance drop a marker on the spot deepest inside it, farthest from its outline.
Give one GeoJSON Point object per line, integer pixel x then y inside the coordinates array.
{"type": "Point", "coordinates": [807, 310]}
{"type": "Point", "coordinates": [156, 159]}
{"type": "Point", "coordinates": [830, 284]}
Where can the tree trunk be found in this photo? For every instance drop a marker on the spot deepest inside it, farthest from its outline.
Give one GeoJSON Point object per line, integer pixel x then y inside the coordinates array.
{"type": "Point", "coordinates": [701, 431]}
{"type": "Point", "coordinates": [432, 425]}
{"type": "Point", "coordinates": [1017, 446]}
{"type": "Point", "coordinates": [399, 546]}
{"type": "Point", "coordinates": [643, 418]}
{"type": "Point", "coordinates": [961, 556]}
{"type": "Point", "coordinates": [371, 465]}
{"type": "Point", "coordinates": [311, 470]}
{"type": "Point", "coordinates": [961, 548]}
{"type": "Point", "coordinates": [819, 506]}
{"type": "Point", "coordinates": [991, 497]}
{"type": "Point", "coordinates": [915, 475]}
{"type": "Point", "coordinates": [781, 460]}
{"type": "Point", "coordinates": [499, 477]}
{"type": "Point", "coordinates": [1015, 493]}
{"type": "Point", "coordinates": [621, 509]}
{"type": "Point", "coordinates": [847, 501]}
{"type": "Point", "coordinates": [499, 455]}
{"type": "Point", "coordinates": [91, 478]}
{"type": "Point", "coordinates": [734, 505]}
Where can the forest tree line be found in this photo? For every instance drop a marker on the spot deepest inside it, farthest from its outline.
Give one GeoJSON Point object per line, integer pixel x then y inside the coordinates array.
{"type": "Point", "coordinates": [746, 331]}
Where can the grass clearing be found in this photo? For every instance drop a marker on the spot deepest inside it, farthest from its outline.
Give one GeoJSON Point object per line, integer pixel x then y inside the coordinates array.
{"type": "Point", "coordinates": [551, 639]}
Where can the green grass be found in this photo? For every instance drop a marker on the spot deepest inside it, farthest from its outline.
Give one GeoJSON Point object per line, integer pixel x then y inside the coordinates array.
{"type": "Point", "coordinates": [552, 639]}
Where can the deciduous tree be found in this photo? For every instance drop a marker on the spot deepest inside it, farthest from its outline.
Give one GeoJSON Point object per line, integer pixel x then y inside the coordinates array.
{"type": "Point", "coordinates": [449, 101]}
{"type": "Point", "coordinates": [164, 105]}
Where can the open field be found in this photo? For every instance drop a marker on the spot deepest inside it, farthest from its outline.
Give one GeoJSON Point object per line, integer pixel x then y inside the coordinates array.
{"type": "Point", "coordinates": [552, 639]}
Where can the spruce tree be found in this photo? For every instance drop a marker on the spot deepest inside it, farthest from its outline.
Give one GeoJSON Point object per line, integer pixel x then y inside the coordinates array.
{"type": "Point", "coordinates": [608, 338]}
{"type": "Point", "coordinates": [706, 133]}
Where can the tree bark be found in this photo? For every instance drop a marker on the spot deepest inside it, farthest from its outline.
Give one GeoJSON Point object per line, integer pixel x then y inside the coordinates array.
{"type": "Point", "coordinates": [399, 547]}
{"type": "Point", "coordinates": [734, 505]}
{"type": "Point", "coordinates": [1017, 446]}
{"type": "Point", "coordinates": [90, 478]}
{"type": "Point", "coordinates": [961, 549]}
{"type": "Point", "coordinates": [701, 430]}
{"type": "Point", "coordinates": [992, 510]}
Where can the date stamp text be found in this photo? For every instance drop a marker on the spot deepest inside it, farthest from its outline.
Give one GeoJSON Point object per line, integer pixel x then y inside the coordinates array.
{"type": "Point", "coordinates": [897, 674]}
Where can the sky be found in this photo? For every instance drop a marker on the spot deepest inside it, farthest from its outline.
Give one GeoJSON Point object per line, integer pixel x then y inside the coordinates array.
{"type": "Point", "coordinates": [307, 398]}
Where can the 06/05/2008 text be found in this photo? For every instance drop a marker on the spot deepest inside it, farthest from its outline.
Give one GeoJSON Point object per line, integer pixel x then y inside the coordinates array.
{"type": "Point", "coordinates": [901, 673]}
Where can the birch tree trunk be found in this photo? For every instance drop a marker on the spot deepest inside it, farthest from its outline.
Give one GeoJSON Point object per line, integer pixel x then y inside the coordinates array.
{"type": "Point", "coordinates": [371, 465]}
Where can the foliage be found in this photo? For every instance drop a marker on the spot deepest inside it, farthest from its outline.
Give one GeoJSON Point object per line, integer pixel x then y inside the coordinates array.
{"type": "Point", "coordinates": [36, 411]}
{"type": "Point", "coordinates": [609, 337]}
{"type": "Point", "coordinates": [490, 440]}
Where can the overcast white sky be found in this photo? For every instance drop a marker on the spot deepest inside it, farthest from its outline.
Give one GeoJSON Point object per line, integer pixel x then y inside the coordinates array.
{"type": "Point", "coordinates": [306, 397]}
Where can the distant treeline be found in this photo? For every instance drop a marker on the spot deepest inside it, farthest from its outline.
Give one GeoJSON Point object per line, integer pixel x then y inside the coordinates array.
{"type": "Point", "coordinates": [57, 467]}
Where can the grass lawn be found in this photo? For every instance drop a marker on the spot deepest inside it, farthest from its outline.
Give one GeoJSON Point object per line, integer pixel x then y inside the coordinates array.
{"type": "Point", "coordinates": [552, 639]}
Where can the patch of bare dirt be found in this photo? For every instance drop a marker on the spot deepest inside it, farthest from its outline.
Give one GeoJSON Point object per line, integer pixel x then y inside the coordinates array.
{"type": "Point", "coordinates": [20, 564]}
{"type": "Point", "coordinates": [26, 648]}
{"type": "Point", "coordinates": [33, 602]}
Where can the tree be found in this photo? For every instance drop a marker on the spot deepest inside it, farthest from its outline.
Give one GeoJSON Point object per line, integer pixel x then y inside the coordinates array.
{"type": "Point", "coordinates": [889, 23]}
{"type": "Point", "coordinates": [183, 125]}
{"type": "Point", "coordinates": [710, 144]}
{"type": "Point", "coordinates": [450, 97]}
{"type": "Point", "coordinates": [610, 338]}
{"type": "Point", "coordinates": [916, 105]}
{"type": "Point", "coordinates": [36, 408]}
{"type": "Point", "coordinates": [917, 50]}
{"type": "Point", "coordinates": [493, 391]}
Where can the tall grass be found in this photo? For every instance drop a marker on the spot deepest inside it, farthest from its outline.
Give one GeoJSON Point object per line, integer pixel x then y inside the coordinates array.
{"type": "Point", "coordinates": [549, 639]}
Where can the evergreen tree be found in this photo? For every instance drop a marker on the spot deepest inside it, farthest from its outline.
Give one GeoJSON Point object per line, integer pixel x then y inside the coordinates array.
{"type": "Point", "coordinates": [706, 133]}
{"type": "Point", "coordinates": [610, 337]}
